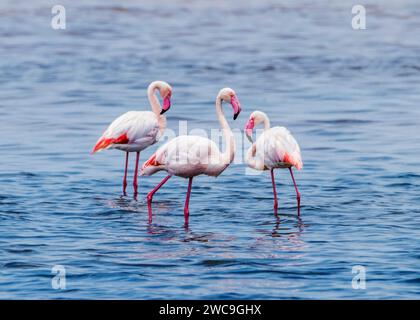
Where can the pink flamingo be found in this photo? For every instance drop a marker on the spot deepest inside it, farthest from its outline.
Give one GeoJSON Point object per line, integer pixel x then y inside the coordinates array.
{"type": "Point", "coordinates": [134, 131]}
{"type": "Point", "coordinates": [190, 156]}
{"type": "Point", "coordinates": [275, 148]}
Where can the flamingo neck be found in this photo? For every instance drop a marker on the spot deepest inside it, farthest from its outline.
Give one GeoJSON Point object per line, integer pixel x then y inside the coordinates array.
{"type": "Point", "coordinates": [265, 121]}
{"type": "Point", "coordinates": [251, 159]}
{"type": "Point", "coordinates": [155, 104]}
{"type": "Point", "coordinates": [229, 154]}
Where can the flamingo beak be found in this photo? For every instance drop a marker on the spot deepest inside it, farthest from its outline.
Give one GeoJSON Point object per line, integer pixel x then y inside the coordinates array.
{"type": "Point", "coordinates": [249, 129]}
{"type": "Point", "coordinates": [236, 107]}
{"type": "Point", "coordinates": [166, 104]}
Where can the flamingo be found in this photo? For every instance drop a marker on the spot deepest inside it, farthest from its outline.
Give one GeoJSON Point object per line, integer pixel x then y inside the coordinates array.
{"type": "Point", "coordinates": [275, 148]}
{"type": "Point", "coordinates": [134, 131]}
{"type": "Point", "coordinates": [190, 156]}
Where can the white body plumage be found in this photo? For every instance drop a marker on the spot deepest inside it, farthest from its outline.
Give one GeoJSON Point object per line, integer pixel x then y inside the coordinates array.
{"type": "Point", "coordinates": [141, 128]}
{"type": "Point", "coordinates": [274, 148]}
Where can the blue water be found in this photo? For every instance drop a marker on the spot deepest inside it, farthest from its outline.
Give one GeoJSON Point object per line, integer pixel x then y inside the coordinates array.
{"type": "Point", "coordinates": [351, 99]}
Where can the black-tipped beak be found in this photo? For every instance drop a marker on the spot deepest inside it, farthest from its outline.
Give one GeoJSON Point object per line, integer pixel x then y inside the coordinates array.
{"type": "Point", "coordinates": [166, 104]}
{"type": "Point", "coordinates": [236, 115]}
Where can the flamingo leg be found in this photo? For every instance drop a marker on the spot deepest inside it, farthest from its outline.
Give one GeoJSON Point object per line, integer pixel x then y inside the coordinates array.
{"type": "Point", "coordinates": [125, 175]}
{"type": "Point", "coordinates": [297, 191]}
{"type": "Point", "coordinates": [187, 202]}
{"type": "Point", "coordinates": [136, 173]}
{"type": "Point", "coordinates": [274, 191]}
{"type": "Point", "coordinates": [150, 196]}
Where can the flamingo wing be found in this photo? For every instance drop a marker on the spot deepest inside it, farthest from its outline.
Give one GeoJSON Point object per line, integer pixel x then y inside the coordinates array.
{"type": "Point", "coordinates": [286, 147]}
{"type": "Point", "coordinates": [277, 147]}
{"type": "Point", "coordinates": [133, 127]}
{"type": "Point", "coordinates": [184, 156]}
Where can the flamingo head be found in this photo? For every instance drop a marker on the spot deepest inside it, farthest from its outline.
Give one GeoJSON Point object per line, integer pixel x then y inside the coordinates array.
{"type": "Point", "coordinates": [249, 128]}
{"type": "Point", "coordinates": [229, 96]}
{"type": "Point", "coordinates": [254, 119]}
{"type": "Point", "coordinates": [165, 92]}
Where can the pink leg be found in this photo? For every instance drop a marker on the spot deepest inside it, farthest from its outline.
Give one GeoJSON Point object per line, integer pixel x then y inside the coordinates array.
{"type": "Point", "coordinates": [125, 175]}
{"type": "Point", "coordinates": [274, 191]}
{"type": "Point", "coordinates": [136, 172]}
{"type": "Point", "coordinates": [150, 196]}
{"type": "Point", "coordinates": [297, 191]}
{"type": "Point", "coordinates": [187, 202]}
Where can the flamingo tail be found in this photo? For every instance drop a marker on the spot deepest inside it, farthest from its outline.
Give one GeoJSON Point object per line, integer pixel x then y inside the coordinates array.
{"type": "Point", "coordinates": [105, 142]}
{"type": "Point", "coordinates": [293, 161]}
{"type": "Point", "coordinates": [151, 166]}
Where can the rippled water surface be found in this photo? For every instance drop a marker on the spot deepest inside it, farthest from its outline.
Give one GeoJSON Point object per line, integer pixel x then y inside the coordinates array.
{"type": "Point", "coordinates": [351, 99]}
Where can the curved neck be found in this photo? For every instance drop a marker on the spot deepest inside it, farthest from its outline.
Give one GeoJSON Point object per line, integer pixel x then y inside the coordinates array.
{"type": "Point", "coordinates": [250, 156]}
{"type": "Point", "coordinates": [154, 102]}
{"type": "Point", "coordinates": [229, 154]}
{"type": "Point", "coordinates": [266, 121]}
{"type": "Point", "coordinates": [155, 105]}
{"type": "Point", "coordinates": [251, 160]}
